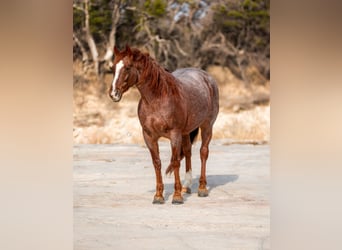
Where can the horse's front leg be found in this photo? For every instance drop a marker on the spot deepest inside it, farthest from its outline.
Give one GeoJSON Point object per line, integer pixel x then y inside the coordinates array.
{"type": "Point", "coordinates": [176, 145]}
{"type": "Point", "coordinates": [152, 145]}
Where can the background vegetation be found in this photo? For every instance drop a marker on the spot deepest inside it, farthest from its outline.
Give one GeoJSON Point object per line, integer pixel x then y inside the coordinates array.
{"type": "Point", "coordinates": [232, 33]}
{"type": "Point", "coordinates": [228, 38]}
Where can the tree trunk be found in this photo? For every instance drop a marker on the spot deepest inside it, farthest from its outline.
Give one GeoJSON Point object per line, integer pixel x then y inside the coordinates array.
{"type": "Point", "coordinates": [111, 40]}
{"type": "Point", "coordinates": [90, 39]}
{"type": "Point", "coordinates": [85, 58]}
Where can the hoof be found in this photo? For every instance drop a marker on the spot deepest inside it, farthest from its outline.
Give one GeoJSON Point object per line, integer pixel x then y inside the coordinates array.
{"type": "Point", "coordinates": [203, 192]}
{"type": "Point", "coordinates": [158, 200]}
{"type": "Point", "coordinates": [186, 190]}
{"type": "Point", "coordinates": [177, 200]}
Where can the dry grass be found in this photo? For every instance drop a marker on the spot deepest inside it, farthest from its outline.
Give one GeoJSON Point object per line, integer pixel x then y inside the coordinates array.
{"type": "Point", "coordinates": [251, 125]}
{"type": "Point", "coordinates": [244, 111]}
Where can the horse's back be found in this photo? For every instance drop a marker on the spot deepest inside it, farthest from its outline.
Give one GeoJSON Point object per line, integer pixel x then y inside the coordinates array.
{"type": "Point", "coordinates": [198, 83]}
{"type": "Point", "coordinates": [201, 92]}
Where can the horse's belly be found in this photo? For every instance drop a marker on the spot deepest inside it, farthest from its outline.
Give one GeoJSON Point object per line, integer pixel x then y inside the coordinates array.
{"type": "Point", "coordinates": [195, 119]}
{"type": "Point", "coordinates": [198, 109]}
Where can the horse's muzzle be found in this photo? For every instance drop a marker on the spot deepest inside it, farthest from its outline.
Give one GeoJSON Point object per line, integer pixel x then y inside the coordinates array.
{"type": "Point", "coordinates": [116, 95]}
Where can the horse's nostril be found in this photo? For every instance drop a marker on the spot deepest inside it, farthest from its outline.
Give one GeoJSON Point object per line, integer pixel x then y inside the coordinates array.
{"type": "Point", "coordinates": [115, 95]}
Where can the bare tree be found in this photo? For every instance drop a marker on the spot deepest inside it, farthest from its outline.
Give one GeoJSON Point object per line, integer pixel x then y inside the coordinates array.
{"type": "Point", "coordinates": [84, 7]}
{"type": "Point", "coordinates": [84, 53]}
{"type": "Point", "coordinates": [188, 33]}
{"type": "Point", "coordinates": [111, 40]}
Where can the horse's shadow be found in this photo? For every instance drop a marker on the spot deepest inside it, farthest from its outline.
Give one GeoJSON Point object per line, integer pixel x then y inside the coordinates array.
{"type": "Point", "coordinates": [213, 181]}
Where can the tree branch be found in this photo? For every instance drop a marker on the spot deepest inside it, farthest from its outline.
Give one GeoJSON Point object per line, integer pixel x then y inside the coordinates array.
{"type": "Point", "coordinates": [111, 40]}
{"type": "Point", "coordinates": [78, 8]}
{"type": "Point", "coordinates": [90, 39]}
{"type": "Point", "coordinates": [80, 45]}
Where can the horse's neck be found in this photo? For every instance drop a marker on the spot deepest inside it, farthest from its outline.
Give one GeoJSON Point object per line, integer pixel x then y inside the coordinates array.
{"type": "Point", "coordinates": [157, 83]}
{"type": "Point", "coordinates": [146, 94]}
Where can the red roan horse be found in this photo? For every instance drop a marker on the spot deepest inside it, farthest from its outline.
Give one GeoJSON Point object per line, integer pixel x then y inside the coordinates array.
{"type": "Point", "coordinates": [172, 105]}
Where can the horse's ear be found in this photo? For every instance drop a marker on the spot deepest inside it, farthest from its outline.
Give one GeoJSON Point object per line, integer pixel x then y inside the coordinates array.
{"type": "Point", "coordinates": [116, 51]}
{"type": "Point", "coordinates": [128, 50]}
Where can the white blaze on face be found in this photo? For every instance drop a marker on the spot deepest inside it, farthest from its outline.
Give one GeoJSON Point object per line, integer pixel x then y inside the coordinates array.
{"type": "Point", "coordinates": [118, 67]}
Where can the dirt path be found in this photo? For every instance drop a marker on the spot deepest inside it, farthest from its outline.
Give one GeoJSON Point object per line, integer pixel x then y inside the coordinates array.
{"type": "Point", "coordinates": [114, 187]}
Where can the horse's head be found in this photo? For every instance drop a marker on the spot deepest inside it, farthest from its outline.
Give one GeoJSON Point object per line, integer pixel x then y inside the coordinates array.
{"type": "Point", "coordinates": [125, 74]}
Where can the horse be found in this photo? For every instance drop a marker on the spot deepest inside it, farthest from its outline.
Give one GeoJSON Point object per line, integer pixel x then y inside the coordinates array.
{"type": "Point", "coordinates": [172, 105]}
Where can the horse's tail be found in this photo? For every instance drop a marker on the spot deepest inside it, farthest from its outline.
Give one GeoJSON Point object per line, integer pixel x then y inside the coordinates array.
{"type": "Point", "coordinates": [193, 136]}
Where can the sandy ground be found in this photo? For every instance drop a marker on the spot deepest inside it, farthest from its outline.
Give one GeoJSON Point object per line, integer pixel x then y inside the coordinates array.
{"type": "Point", "coordinates": [114, 186]}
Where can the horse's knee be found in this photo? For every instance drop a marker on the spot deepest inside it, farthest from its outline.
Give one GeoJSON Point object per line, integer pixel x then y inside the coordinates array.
{"type": "Point", "coordinates": [157, 164]}
{"type": "Point", "coordinates": [204, 152]}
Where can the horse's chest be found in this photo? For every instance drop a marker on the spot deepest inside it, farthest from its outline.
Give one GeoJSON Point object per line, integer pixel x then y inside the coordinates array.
{"type": "Point", "coordinates": [155, 124]}
{"type": "Point", "coordinates": [160, 118]}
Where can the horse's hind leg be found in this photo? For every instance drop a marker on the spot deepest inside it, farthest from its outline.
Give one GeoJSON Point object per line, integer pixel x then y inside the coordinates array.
{"type": "Point", "coordinates": [206, 134]}
{"type": "Point", "coordinates": [186, 148]}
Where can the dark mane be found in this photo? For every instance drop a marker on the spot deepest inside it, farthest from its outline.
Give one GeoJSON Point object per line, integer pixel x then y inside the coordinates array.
{"type": "Point", "coordinates": [160, 80]}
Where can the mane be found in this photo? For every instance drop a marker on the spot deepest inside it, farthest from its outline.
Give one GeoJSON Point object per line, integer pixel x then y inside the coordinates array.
{"type": "Point", "coordinates": [159, 79]}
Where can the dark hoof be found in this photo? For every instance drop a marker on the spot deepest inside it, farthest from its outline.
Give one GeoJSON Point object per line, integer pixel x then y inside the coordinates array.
{"type": "Point", "coordinates": [186, 190]}
{"type": "Point", "coordinates": [202, 192]}
{"type": "Point", "coordinates": [158, 200]}
{"type": "Point", "coordinates": [177, 200]}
